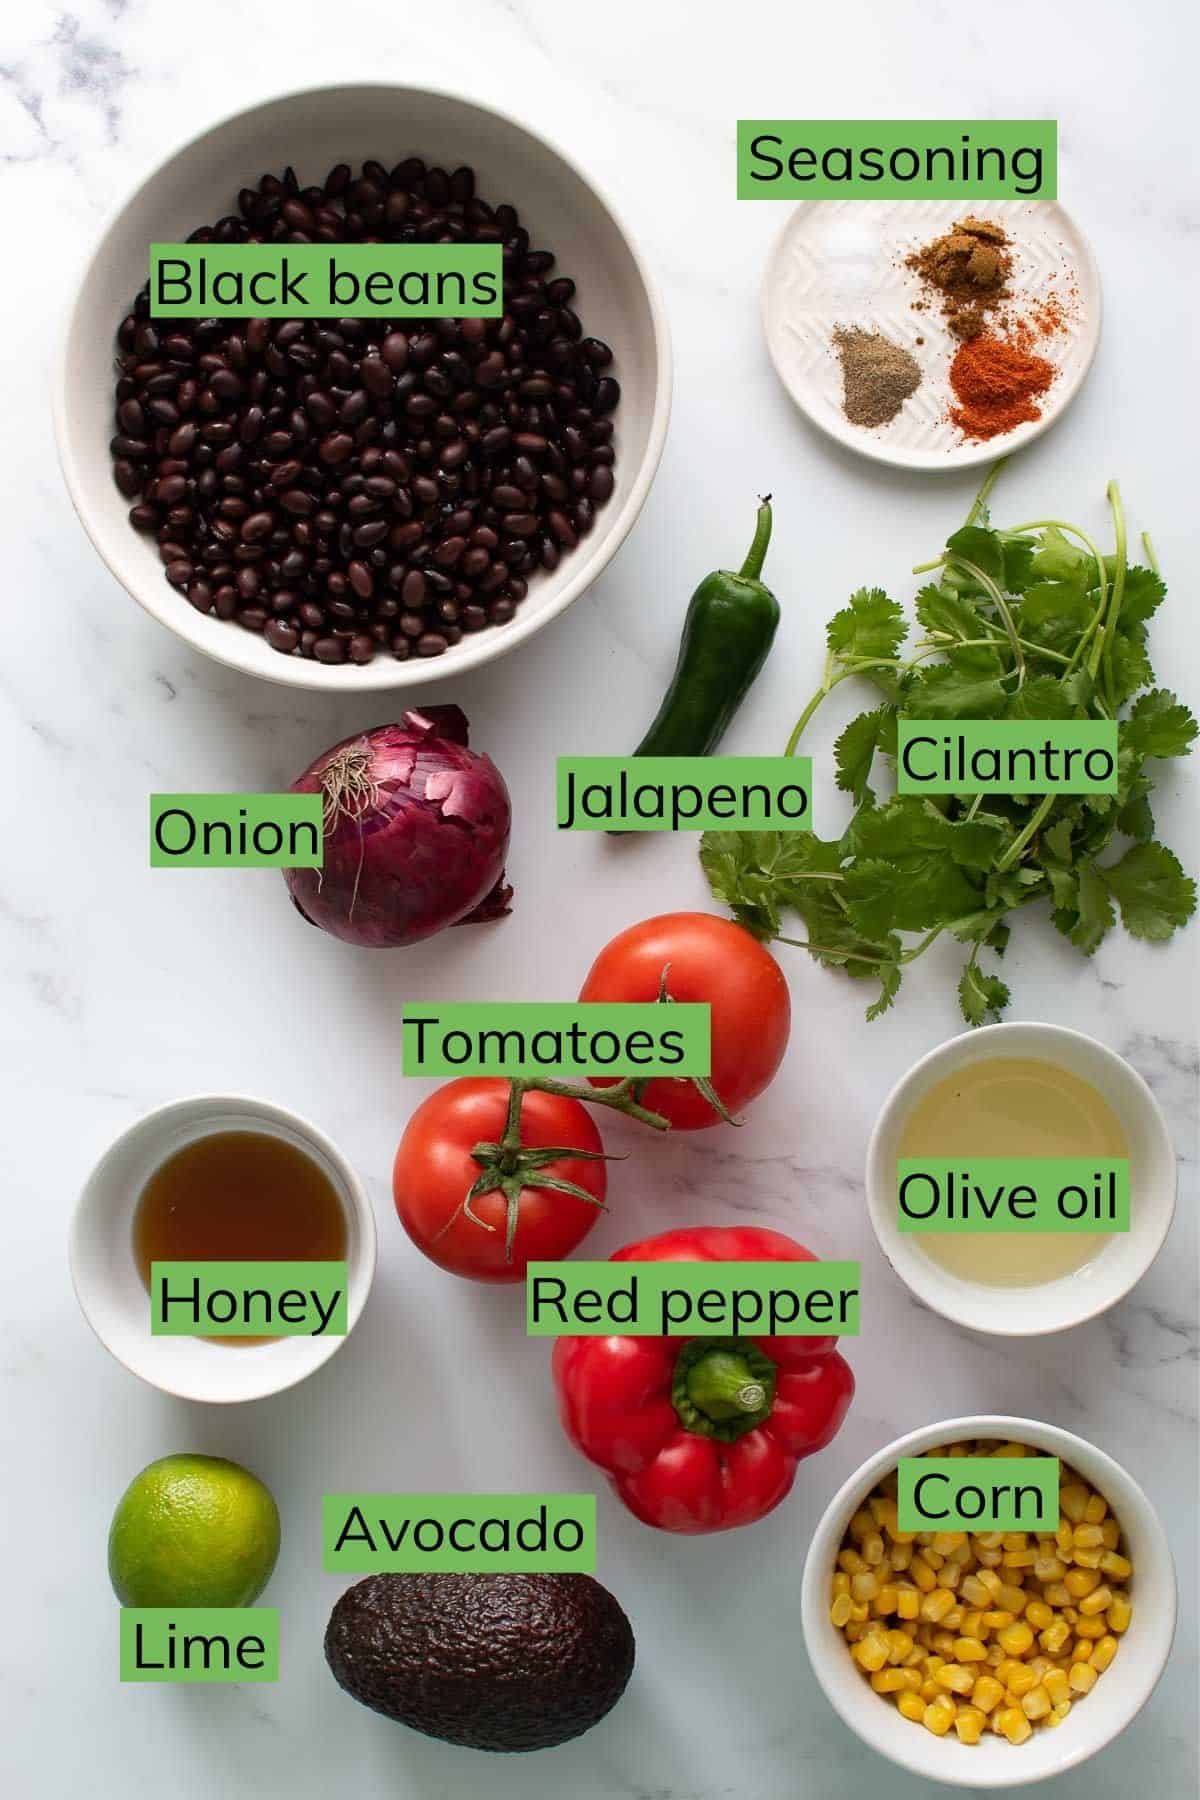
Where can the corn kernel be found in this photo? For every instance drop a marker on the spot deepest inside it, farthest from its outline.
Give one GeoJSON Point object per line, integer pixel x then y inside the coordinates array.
{"type": "Point", "coordinates": [1064, 1536]}
{"type": "Point", "coordinates": [1056, 1685]}
{"type": "Point", "coordinates": [996, 1621]}
{"type": "Point", "coordinates": [969, 1724]}
{"type": "Point", "coordinates": [908, 1604]}
{"type": "Point", "coordinates": [1118, 1566]}
{"type": "Point", "coordinates": [1054, 1637]}
{"type": "Point", "coordinates": [1083, 1678]}
{"type": "Point", "coordinates": [1087, 1559]}
{"type": "Point", "coordinates": [930, 1691]}
{"type": "Point", "coordinates": [973, 1625]}
{"type": "Point", "coordinates": [1020, 1679]}
{"type": "Point", "coordinates": [1088, 1537]}
{"type": "Point", "coordinates": [1073, 1501]}
{"type": "Point", "coordinates": [1095, 1509]}
{"type": "Point", "coordinates": [1049, 1568]}
{"type": "Point", "coordinates": [895, 1681]}
{"type": "Point", "coordinates": [851, 1561]}
{"type": "Point", "coordinates": [1119, 1613]}
{"type": "Point", "coordinates": [872, 1550]}
{"type": "Point", "coordinates": [1096, 1602]}
{"type": "Point", "coordinates": [872, 1653]}
{"type": "Point", "coordinates": [972, 1589]}
{"type": "Point", "coordinates": [1079, 1582]}
{"type": "Point", "coordinates": [864, 1586]}
{"type": "Point", "coordinates": [1036, 1703]}
{"type": "Point", "coordinates": [939, 1717]}
{"type": "Point", "coordinates": [886, 1598]}
{"type": "Point", "coordinates": [1103, 1652]}
{"type": "Point", "coordinates": [1015, 1725]}
{"type": "Point", "coordinates": [987, 1693]}
{"type": "Point", "coordinates": [935, 1606]}
{"type": "Point", "coordinates": [912, 1707]}
{"type": "Point", "coordinates": [970, 1650]}
{"type": "Point", "coordinates": [923, 1575]}
{"type": "Point", "coordinates": [1016, 1638]}
{"type": "Point", "coordinates": [899, 1557]}
{"type": "Point", "coordinates": [899, 1645]}
{"type": "Point", "coordinates": [841, 1583]}
{"type": "Point", "coordinates": [955, 1677]}
{"type": "Point", "coordinates": [1090, 1628]}
{"type": "Point", "coordinates": [1019, 1559]}
{"type": "Point", "coordinates": [860, 1612]}
{"type": "Point", "coordinates": [839, 1612]}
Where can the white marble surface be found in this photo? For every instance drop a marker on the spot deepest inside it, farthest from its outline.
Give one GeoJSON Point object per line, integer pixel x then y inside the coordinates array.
{"type": "Point", "coordinates": [123, 989]}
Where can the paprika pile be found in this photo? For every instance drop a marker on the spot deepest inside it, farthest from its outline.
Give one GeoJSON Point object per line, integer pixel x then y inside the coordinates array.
{"type": "Point", "coordinates": [995, 385]}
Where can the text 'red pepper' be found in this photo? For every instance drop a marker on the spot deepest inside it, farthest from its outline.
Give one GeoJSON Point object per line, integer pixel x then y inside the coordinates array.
{"type": "Point", "coordinates": [701, 1434]}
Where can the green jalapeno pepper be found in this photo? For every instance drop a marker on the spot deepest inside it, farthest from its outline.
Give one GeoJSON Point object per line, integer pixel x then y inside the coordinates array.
{"type": "Point", "coordinates": [729, 629]}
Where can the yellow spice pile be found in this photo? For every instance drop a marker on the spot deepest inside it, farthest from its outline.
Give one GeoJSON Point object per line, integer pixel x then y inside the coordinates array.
{"type": "Point", "coordinates": [983, 1631]}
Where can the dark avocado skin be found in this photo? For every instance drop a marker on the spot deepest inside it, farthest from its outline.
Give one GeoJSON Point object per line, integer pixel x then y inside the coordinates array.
{"type": "Point", "coordinates": [495, 1662]}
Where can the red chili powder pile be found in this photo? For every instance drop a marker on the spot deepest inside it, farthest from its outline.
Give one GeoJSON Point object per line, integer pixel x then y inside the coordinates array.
{"type": "Point", "coordinates": [996, 384]}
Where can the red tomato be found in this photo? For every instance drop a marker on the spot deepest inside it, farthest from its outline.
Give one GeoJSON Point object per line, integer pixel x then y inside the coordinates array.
{"type": "Point", "coordinates": [706, 958]}
{"type": "Point", "coordinates": [434, 1171]}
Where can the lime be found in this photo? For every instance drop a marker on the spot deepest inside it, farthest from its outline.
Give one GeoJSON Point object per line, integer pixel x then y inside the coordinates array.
{"type": "Point", "coordinates": [193, 1531]}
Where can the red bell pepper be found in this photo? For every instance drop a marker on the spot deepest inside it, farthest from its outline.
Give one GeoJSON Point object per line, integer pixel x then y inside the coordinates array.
{"type": "Point", "coordinates": [702, 1434]}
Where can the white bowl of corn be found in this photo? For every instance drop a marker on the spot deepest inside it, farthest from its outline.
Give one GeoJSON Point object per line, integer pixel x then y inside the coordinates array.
{"type": "Point", "coordinates": [990, 1659]}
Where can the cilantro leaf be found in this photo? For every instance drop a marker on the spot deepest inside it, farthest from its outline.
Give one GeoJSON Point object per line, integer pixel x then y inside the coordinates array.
{"type": "Point", "coordinates": [854, 752]}
{"type": "Point", "coordinates": [1130, 668]}
{"type": "Point", "coordinates": [1159, 725]}
{"type": "Point", "coordinates": [980, 994]}
{"type": "Point", "coordinates": [870, 626]}
{"type": "Point", "coordinates": [1041, 697]}
{"type": "Point", "coordinates": [1144, 592]}
{"type": "Point", "coordinates": [1154, 894]}
{"type": "Point", "coordinates": [953, 623]}
{"type": "Point", "coordinates": [1095, 914]}
{"type": "Point", "coordinates": [1058, 559]}
{"type": "Point", "coordinates": [890, 974]}
{"type": "Point", "coordinates": [944, 692]}
{"type": "Point", "coordinates": [983, 548]}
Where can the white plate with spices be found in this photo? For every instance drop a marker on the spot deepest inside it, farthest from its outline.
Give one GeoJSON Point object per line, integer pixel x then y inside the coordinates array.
{"type": "Point", "coordinates": [840, 265]}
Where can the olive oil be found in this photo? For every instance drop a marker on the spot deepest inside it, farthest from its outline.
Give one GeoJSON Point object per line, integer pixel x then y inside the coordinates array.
{"type": "Point", "coordinates": [1012, 1106]}
{"type": "Point", "coordinates": [238, 1196]}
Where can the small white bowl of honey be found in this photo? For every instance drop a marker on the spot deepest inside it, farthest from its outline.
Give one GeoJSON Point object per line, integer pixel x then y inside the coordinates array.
{"type": "Point", "coordinates": [1012, 1091]}
{"type": "Point", "coordinates": [217, 1178]}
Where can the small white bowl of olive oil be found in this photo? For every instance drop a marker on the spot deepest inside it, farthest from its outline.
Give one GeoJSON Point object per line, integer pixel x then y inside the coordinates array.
{"type": "Point", "coordinates": [217, 1178]}
{"type": "Point", "coordinates": [1023, 1090]}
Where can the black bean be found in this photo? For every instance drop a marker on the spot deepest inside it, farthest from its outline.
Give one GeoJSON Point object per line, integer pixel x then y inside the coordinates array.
{"type": "Point", "coordinates": [329, 650]}
{"type": "Point", "coordinates": [281, 636]}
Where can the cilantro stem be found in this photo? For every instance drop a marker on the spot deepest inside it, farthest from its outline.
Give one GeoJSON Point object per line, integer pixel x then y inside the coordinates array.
{"type": "Point", "coordinates": [1017, 847]}
{"type": "Point", "coordinates": [1001, 604]}
{"type": "Point", "coordinates": [1148, 547]}
{"type": "Point", "coordinates": [806, 715]}
{"type": "Point", "coordinates": [979, 504]}
{"type": "Point", "coordinates": [1118, 586]}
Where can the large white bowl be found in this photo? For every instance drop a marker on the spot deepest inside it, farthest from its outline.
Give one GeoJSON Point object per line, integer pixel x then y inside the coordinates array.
{"type": "Point", "coordinates": [109, 1286]}
{"type": "Point", "coordinates": [1070, 1299]}
{"type": "Point", "coordinates": [1100, 1716]}
{"type": "Point", "coordinates": [313, 130]}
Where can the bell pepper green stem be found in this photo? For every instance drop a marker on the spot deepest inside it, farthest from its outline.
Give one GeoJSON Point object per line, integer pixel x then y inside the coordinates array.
{"type": "Point", "coordinates": [723, 1387]}
{"type": "Point", "coordinates": [752, 568]}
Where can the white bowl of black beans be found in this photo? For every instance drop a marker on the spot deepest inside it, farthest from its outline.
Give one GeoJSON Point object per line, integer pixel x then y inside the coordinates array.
{"type": "Point", "coordinates": [366, 503]}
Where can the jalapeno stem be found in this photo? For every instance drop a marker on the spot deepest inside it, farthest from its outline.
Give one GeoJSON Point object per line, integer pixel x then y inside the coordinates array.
{"type": "Point", "coordinates": [751, 569]}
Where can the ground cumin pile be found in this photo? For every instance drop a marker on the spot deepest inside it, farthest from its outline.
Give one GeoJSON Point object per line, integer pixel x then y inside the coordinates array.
{"type": "Point", "coordinates": [996, 384]}
{"type": "Point", "coordinates": [966, 273]}
{"type": "Point", "coordinates": [877, 375]}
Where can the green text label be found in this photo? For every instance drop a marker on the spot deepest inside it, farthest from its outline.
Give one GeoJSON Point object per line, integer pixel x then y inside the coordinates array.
{"type": "Point", "coordinates": [1012, 1193]}
{"type": "Point", "coordinates": [1007, 756]}
{"type": "Point", "coordinates": [978, 1493]}
{"type": "Point", "coordinates": [248, 1299]}
{"type": "Point", "coordinates": [897, 159]}
{"type": "Point", "coordinates": [532, 1037]}
{"type": "Point", "coordinates": [199, 1643]}
{"type": "Point", "coordinates": [465, 1533]}
{"type": "Point", "coordinates": [684, 793]}
{"type": "Point", "coordinates": [305, 281]}
{"type": "Point", "coordinates": [674, 1299]}
{"type": "Point", "coordinates": [236, 831]}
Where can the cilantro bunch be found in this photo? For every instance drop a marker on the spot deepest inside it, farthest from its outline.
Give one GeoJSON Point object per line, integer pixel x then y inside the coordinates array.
{"type": "Point", "coordinates": [1034, 622]}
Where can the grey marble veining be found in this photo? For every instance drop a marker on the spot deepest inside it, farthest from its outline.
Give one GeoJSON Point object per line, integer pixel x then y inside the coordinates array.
{"type": "Point", "coordinates": [122, 989]}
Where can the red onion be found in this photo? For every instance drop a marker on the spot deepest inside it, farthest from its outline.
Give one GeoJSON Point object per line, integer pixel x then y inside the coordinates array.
{"type": "Point", "coordinates": [416, 832]}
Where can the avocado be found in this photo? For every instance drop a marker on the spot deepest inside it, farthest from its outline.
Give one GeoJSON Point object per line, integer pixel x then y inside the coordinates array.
{"type": "Point", "coordinates": [495, 1662]}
